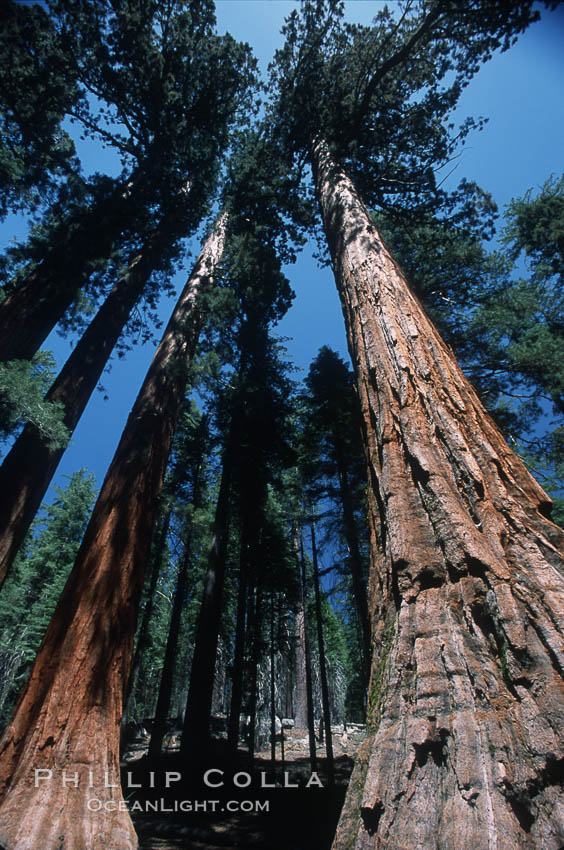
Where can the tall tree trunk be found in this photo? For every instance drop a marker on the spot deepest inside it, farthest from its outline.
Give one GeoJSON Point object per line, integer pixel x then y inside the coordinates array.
{"type": "Point", "coordinates": [143, 634]}
{"type": "Point", "coordinates": [68, 715]}
{"type": "Point", "coordinates": [167, 676]}
{"type": "Point", "coordinates": [466, 698]}
{"type": "Point", "coordinates": [310, 719]}
{"type": "Point", "coordinates": [255, 643]}
{"type": "Point", "coordinates": [28, 468]}
{"type": "Point", "coordinates": [40, 300]}
{"type": "Point", "coordinates": [301, 707]}
{"type": "Point", "coordinates": [351, 535]}
{"type": "Point", "coordinates": [220, 679]}
{"type": "Point", "coordinates": [196, 732]}
{"type": "Point", "coordinates": [272, 686]}
{"type": "Point", "coordinates": [322, 660]}
{"type": "Point", "coordinates": [239, 653]}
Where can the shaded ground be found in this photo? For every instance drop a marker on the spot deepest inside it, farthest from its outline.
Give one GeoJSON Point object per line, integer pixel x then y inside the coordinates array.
{"type": "Point", "coordinates": [190, 815]}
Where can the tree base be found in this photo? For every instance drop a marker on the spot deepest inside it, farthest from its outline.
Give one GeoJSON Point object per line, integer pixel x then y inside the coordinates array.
{"type": "Point", "coordinates": [56, 818]}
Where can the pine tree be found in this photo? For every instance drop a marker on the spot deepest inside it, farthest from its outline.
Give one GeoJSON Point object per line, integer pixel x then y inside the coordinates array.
{"type": "Point", "coordinates": [23, 386]}
{"type": "Point", "coordinates": [334, 465]}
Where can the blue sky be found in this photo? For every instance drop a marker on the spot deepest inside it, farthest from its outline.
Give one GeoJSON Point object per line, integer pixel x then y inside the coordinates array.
{"type": "Point", "coordinates": [520, 92]}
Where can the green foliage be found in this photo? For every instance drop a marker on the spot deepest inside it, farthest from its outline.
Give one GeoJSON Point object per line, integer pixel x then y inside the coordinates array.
{"type": "Point", "coordinates": [382, 96]}
{"type": "Point", "coordinates": [535, 227]}
{"type": "Point", "coordinates": [333, 472]}
{"type": "Point", "coordinates": [161, 89]}
{"type": "Point", "coordinates": [520, 330]}
{"type": "Point", "coordinates": [32, 589]}
{"type": "Point", "coordinates": [37, 88]}
{"type": "Point", "coordinates": [341, 665]}
{"type": "Point", "coordinates": [23, 384]}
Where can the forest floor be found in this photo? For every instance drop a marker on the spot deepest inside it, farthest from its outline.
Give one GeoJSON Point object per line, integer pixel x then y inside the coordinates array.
{"type": "Point", "coordinates": [292, 815]}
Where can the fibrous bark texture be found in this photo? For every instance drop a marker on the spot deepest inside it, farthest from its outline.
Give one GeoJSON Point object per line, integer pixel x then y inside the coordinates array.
{"type": "Point", "coordinates": [466, 697]}
{"type": "Point", "coordinates": [67, 719]}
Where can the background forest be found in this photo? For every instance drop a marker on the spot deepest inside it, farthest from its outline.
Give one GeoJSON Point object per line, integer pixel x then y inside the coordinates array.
{"type": "Point", "coordinates": [148, 163]}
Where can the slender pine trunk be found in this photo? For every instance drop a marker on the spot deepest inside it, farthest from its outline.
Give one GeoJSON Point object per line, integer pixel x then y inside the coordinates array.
{"type": "Point", "coordinates": [196, 732]}
{"type": "Point", "coordinates": [68, 715]}
{"type": "Point", "coordinates": [351, 534]}
{"type": "Point", "coordinates": [167, 676]}
{"type": "Point", "coordinates": [239, 653]}
{"type": "Point", "coordinates": [307, 653]}
{"type": "Point", "coordinates": [272, 686]}
{"type": "Point", "coordinates": [28, 468]}
{"type": "Point", "coordinates": [255, 643]}
{"type": "Point", "coordinates": [301, 707]}
{"type": "Point", "coordinates": [143, 634]}
{"type": "Point", "coordinates": [322, 660]}
{"type": "Point", "coordinates": [466, 700]}
{"type": "Point", "coordinates": [171, 650]}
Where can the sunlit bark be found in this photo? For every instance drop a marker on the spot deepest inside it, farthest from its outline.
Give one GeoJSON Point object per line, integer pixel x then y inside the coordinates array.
{"type": "Point", "coordinates": [68, 715]}
{"type": "Point", "coordinates": [466, 702]}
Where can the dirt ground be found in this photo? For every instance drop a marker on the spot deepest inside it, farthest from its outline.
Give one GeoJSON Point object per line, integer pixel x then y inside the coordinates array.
{"type": "Point", "coordinates": [193, 816]}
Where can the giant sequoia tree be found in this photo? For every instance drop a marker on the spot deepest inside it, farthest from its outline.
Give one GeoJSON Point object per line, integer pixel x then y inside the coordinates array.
{"type": "Point", "coordinates": [159, 87]}
{"type": "Point", "coordinates": [465, 600]}
{"type": "Point", "coordinates": [465, 697]}
{"type": "Point", "coordinates": [87, 648]}
{"type": "Point", "coordinates": [176, 148]}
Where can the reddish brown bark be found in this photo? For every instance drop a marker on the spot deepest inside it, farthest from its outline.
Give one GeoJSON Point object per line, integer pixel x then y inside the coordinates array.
{"type": "Point", "coordinates": [466, 698]}
{"type": "Point", "coordinates": [28, 468]}
{"type": "Point", "coordinates": [68, 715]}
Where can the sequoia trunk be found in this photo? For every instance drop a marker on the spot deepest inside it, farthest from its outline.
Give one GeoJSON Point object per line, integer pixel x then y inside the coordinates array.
{"type": "Point", "coordinates": [28, 468]}
{"type": "Point", "coordinates": [68, 715]}
{"type": "Point", "coordinates": [466, 698]}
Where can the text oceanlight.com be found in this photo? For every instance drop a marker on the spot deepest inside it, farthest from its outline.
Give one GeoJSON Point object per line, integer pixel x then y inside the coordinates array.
{"type": "Point", "coordinates": [161, 805]}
